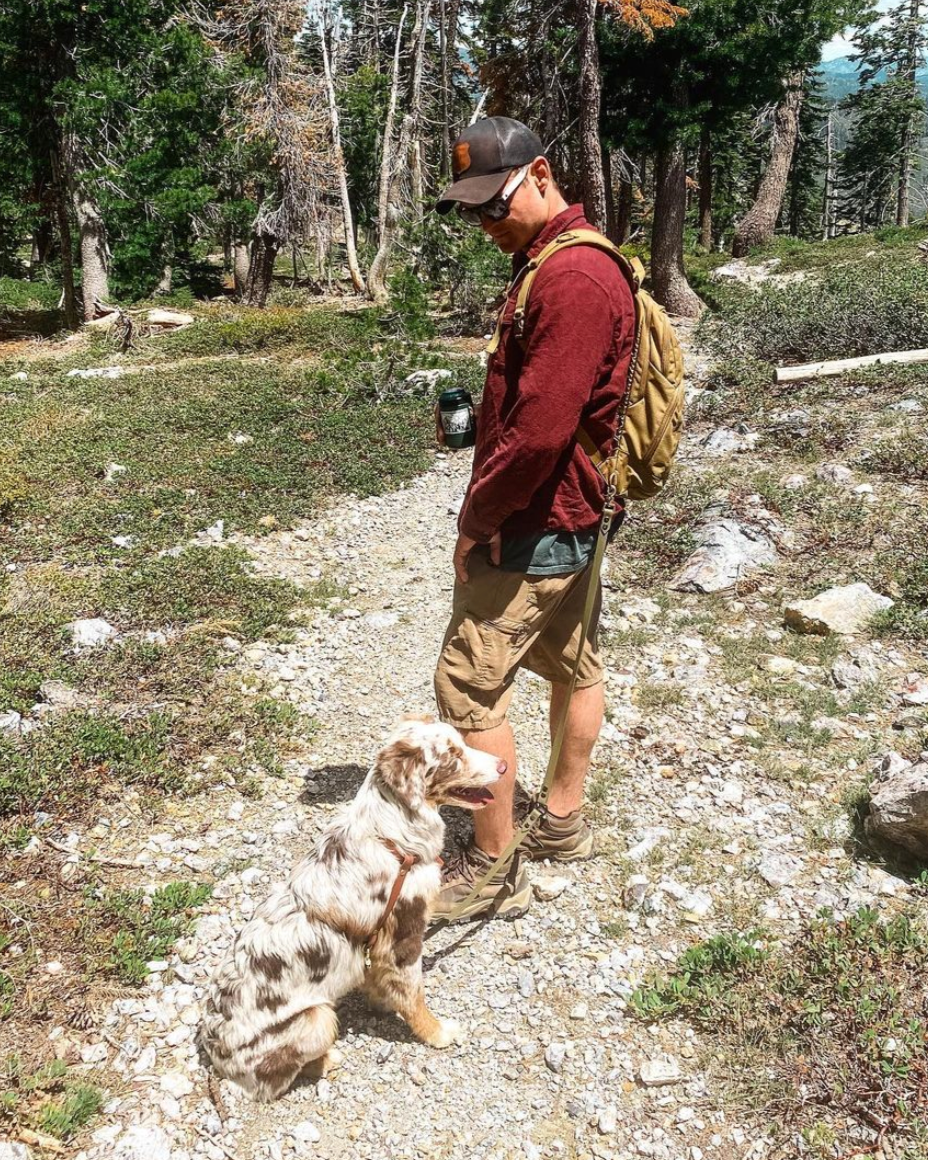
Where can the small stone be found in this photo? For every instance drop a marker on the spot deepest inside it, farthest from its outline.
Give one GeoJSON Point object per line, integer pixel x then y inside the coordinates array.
{"type": "Point", "coordinates": [143, 1143]}
{"type": "Point", "coordinates": [580, 1012]}
{"type": "Point", "coordinates": [526, 984]}
{"type": "Point", "coordinates": [90, 633]}
{"type": "Point", "coordinates": [306, 1133]}
{"type": "Point", "coordinates": [9, 1150]}
{"type": "Point", "coordinates": [113, 471]}
{"type": "Point", "coordinates": [779, 666]}
{"type": "Point", "coordinates": [231, 645]}
{"type": "Point", "coordinates": [176, 1084]}
{"type": "Point", "coordinates": [10, 721]}
{"type": "Point", "coordinates": [658, 1072]}
{"type": "Point", "coordinates": [555, 1055]}
{"type": "Point", "coordinates": [835, 473]}
{"type": "Point", "coordinates": [779, 869]}
{"type": "Point", "coordinates": [547, 887]}
{"type": "Point", "coordinates": [94, 1053]}
{"type": "Point", "coordinates": [54, 968]}
{"type": "Point", "coordinates": [608, 1118]}
{"type": "Point", "coordinates": [915, 692]}
{"type": "Point", "coordinates": [732, 793]}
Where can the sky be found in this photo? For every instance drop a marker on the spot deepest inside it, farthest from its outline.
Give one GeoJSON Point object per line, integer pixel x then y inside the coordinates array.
{"type": "Point", "coordinates": [841, 46]}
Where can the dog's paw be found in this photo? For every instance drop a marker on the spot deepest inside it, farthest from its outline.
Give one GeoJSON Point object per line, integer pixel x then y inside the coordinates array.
{"type": "Point", "coordinates": [333, 1058]}
{"type": "Point", "coordinates": [449, 1031]}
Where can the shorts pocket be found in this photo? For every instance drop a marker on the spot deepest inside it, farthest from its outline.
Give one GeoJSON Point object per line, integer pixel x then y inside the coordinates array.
{"type": "Point", "coordinates": [483, 653]}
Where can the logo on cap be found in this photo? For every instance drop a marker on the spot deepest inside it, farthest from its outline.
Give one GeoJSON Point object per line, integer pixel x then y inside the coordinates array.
{"type": "Point", "coordinates": [461, 158]}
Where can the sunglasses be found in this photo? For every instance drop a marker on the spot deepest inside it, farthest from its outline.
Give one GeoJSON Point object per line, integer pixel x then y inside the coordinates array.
{"type": "Point", "coordinates": [497, 208]}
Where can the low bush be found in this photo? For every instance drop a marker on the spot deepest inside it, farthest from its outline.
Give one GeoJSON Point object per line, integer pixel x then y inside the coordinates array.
{"type": "Point", "coordinates": [844, 312]}
{"type": "Point", "coordinates": [48, 1100]}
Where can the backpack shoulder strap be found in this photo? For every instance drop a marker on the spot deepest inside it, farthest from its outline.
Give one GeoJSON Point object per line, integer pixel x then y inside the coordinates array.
{"type": "Point", "coordinates": [632, 269]}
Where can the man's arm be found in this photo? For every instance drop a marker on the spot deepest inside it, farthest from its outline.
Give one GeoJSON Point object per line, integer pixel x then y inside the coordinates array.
{"type": "Point", "coordinates": [571, 338]}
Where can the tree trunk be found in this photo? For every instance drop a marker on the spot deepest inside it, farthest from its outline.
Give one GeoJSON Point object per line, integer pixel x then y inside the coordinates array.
{"type": "Point", "coordinates": [757, 226]}
{"type": "Point", "coordinates": [623, 217]}
{"type": "Point", "coordinates": [387, 213]}
{"type": "Point", "coordinates": [241, 263]}
{"type": "Point", "coordinates": [339, 161]}
{"type": "Point", "coordinates": [908, 71]}
{"type": "Point", "coordinates": [264, 247]}
{"type": "Point", "coordinates": [705, 191]}
{"type": "Point", "coordinates": [668, 277]}
{"type": "Point", "coordinates": [591, 157]}
{"type": "Point", "coordinates": [95, 289]}
{"type": "Point", "coordinates": [611, 220]}
{"type": "Point", "coordinates": [60, 178]}
{"type": "Point", "coordinates": [448, 25]}
{"type": "Point", "coordinates": [828, 200]}
{"type": "Point", "coordinates": [166, 281]}
{"type": "Point", "coordinates": [42, 239]}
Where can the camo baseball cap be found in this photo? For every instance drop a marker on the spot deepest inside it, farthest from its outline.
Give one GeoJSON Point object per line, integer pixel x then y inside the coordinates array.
{"type": "Point", "coordinates": [484, 156]}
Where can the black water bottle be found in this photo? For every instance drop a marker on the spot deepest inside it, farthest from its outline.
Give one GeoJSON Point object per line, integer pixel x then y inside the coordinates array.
{"type": "Point", "coordinates": [458, 422]}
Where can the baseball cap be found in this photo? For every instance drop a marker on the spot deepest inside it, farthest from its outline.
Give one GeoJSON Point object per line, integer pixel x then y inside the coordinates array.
{"type": "Point", "coordinates": [482, 158]}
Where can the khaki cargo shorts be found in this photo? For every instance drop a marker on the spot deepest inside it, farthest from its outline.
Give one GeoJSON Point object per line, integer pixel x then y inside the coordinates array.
{"type": "Point", "coordinates": [504, 621]}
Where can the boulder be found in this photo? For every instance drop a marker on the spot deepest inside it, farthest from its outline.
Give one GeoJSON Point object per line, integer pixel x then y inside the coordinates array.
{"type": "Point", "coordinates": [899, 807]}
{"type": "Point", "coordinates": [845, 610]}
{"type": "Point", "coordinates": [854, 672]}
{"type": "Point", "coordinates": [727, 550]}
{"type": "Point", "coordinates": [835, 473]}
{"type": "Point", "coordinates": [724, 440]}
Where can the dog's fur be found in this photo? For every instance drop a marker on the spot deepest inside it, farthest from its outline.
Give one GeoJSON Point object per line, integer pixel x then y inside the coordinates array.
{"type": "Point", "coordinates": [270, 1011]}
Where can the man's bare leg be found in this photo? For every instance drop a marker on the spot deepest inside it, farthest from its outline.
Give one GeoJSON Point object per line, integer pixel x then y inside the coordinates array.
{"type": "Point", "coordinates": [493, 824]}
{"type": "Point", "coordinates": [584, 721]}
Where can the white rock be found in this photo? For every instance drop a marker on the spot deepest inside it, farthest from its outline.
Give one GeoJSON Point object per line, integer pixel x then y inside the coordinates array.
{"type": "Point", "coordinates": [306, 1133]}
{"type": "Point", "coordinates": [657, 1072]}
{"type": "Point", "coordinates": [19, 376]}
{"type": "Point", "coordinates": [215, 531]}
{"type": "Point", "coordinates": [10, 721]}
{"type": "Point", "coordinates": [94, 1053]}
{"type": "Point", "coordinates": [9, 1150]}
{"type": "Point", "coordinates": [124, 542]}
{"type": "Point", "coordinates": [158, 317]}
{"type": "Point", "coordinates": [176, 1084]}
{"type": "Point", "coordinates": [91, 632]}
{"type": "Point", "coordinates": [97, 373]}
{"type": "Point", "coordinates": [114, 470]}
{"type": "Point", "coordinates": [915, 692]}
{"type": "Point", "coordinates": [547, 887]}
{"type": "Point", "coordinates": [779, 869]}
{"type": "Point", "coordinates": [143, 1143]}
{"type": "Point", "coordinates": [899, 809]}
{"type": "Point", "coordinates": [727, 551]}
{"type": "Point", "coordinates": [240, 439]}
{"type": "Point", "coordinates": [723, 440]}
{"type": "Point", "coordinates": [429, 379]}
{"type": "Point", "coordinates": [608, 1119]}
{"type": "Point", "coordinates": [732, 792]}
{"type": "Point", "coordinates": [845, 610]}
{"type": "Point", "coordinates": [795, 482]}
{"type": "Point", "coordinates": [555, 1054]}
{"type": "Point", "coordinates": [835, 473]}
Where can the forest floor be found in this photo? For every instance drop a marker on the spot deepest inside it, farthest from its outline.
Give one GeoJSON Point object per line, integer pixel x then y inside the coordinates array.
{"type": "Point", "coordinates": [735, 974]}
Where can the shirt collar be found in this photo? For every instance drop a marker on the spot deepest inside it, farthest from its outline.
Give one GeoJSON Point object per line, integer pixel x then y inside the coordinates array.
{"type": "Point", "coordinates": [557, 225]}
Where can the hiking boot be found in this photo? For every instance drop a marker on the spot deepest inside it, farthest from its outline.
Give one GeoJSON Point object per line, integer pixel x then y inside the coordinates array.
{"type": "Point", "coordinates": [557, 839]}
{"type": "Point", "coordinates": [506, 895]}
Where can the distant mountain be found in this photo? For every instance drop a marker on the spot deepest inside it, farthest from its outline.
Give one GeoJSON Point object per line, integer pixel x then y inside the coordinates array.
{"type": "Point", "coordinates": [840, 78]}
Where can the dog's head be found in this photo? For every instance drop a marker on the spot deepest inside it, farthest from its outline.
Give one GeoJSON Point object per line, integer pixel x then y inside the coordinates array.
{"type": "Point", "coordinates": [424, 761]}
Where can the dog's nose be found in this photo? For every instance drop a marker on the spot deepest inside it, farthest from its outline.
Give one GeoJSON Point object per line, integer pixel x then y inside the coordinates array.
{"type": "Point", "coordinates": [501, 767]}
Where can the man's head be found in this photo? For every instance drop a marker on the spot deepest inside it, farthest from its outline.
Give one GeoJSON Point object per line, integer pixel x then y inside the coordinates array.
{"type": "Point", "coordinates": [503, 182]}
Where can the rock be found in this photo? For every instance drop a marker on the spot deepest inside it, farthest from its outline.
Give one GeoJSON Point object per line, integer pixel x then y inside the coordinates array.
{"type": "Point", "coordinates": [59, 696]}
{"type": "Point", "coordinates": [915, 692]}
{"type": "Point", "coordinates": [779, 869]}
{"type": "Point", "coordinates": [10, 721]}
{"type": "Point", "coordinates": [727, 550]}
{"type": "Point", "coordinates": [835, 473]}
{"type": "Point", "coordinates": [855, 671]}
{"type": "Point", "coordinates": [608, 1118]}
{"type": "Point", "coordinates": [176, 1084]}
{"type": "Point", "coordinates": [240, 439]}
{"type": "Point", "coordinates": [93, 1053]}
{"type": "Point", "coordinates": [124, 541]}
{"type": "Point", "coordinates": [547, 887]}
{"type": "Point", "coordinates": [90, 633]}
{"type": "Point", "coordinates": [899, 808]}
{"type": "Point", "coordinates": [906, 406]}
{"type": "Point", "coordinates": [555, 1054]}
{"type": "Point", "coordinates": [724, 440]}
{"type": "Point", "coordinates": [428, 380]}
{"type": "Point", "coordinates": [113, 471]}
{"type": "Point", "coordinates": [845, 610]}
{"type": "Point", "coordinates": [169, 318]}
{"type": "Point", "coordinates": [658, 1072]}
{"type": "Point", "coordinates": [738, 270]}
{"type": "Point", "coordinates": [143, 1143]}
{"type": "Point", "coordinates": [305, 1133]}
{"type": "Point", "coordinates": [11, 1151]}
{"type": "Point", "coordinates": [642, 610]}
{"type": "Point", "coordinates": [795, 482]}
{"type": "Point", "coordinates": [97, 373]}
{"type": "Point", "coordinates": [215, 532]}
{"type": "Point", "coordinates": [732, 793]}
{"type": "Point", "coordinates": [779, 666]}
{"type": "Point", "coordinates": [19, 376]}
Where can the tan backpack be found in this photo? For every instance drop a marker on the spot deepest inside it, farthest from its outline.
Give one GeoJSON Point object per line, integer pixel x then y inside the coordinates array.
{"type": "Point", "coordinates": [651, 420]}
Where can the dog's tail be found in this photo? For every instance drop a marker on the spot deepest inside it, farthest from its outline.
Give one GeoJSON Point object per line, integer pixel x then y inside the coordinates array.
{"type": "Point", "coordinates": [277, 1065]}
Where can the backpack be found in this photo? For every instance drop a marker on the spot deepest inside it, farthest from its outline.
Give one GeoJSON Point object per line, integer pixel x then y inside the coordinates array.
{"type": "Point", "coordinates": [651, 419]}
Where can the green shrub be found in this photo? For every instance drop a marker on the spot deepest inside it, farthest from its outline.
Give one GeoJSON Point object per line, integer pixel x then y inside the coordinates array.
{"type": "Point", "coordinates": [903, 454]}
{"type": "Point", "coordinates": [845, 312]}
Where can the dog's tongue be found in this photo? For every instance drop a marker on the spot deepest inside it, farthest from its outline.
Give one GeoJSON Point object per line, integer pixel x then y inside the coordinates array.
{"type": "Point", "coordinates": [478, 796]}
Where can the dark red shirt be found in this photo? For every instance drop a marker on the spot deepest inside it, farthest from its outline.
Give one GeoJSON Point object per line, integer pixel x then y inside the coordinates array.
{"type": "Point", "coordinates": [530, 475]}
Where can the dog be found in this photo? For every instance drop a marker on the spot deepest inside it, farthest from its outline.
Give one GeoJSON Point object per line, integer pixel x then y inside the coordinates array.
{"type": "Point", "coordinates": [352, 915]}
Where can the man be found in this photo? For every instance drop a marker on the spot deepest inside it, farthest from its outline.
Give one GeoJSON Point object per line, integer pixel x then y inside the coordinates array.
{"type": "Point", "coordinates": [529, 521]}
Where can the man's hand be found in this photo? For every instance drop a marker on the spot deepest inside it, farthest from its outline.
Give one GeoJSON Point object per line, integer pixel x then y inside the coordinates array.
{"type": "Point", "coordinates": [463, 549]}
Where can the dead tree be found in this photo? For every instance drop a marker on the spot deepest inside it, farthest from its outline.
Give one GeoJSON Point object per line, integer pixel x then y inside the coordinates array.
{"type": "Point", "coordinates": [591, 156]}
{"type": "Point", "coordinates": [387, 213]}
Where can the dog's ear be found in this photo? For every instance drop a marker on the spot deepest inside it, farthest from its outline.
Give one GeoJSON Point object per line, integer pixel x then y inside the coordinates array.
{"type": "Point", "coordinates": [401, 767]}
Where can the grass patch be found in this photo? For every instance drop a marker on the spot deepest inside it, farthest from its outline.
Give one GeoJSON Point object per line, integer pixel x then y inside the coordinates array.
{"type": "Point", "coordinates": [48, 1100]}
{"type": "Point", "coordinates": [903, 455]}
{"type": "Point", "coordinates": [124, 930]}
{"type": "Point", "coordinates": [835, 1023]}
{"type": "Point", "coordinates": [658, 695]}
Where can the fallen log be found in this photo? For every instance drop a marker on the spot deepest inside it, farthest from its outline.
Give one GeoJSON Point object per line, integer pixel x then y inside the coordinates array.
{"type": "Point", "coordinates": [824, 370]}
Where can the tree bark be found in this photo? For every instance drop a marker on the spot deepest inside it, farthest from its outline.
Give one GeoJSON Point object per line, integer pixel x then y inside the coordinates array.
{"type": "Point", "coordinates": [42, 239]}
{"type": "Point", "coordinates": [420, 37]}
{"type": "Point", "coordinates": [757, 226]}
{"type": "Point", "coordinates": [611, 219]}
{"type": "Point", "coordinates": [591, 157]}
{"type": "Point", "coordinates": [668, 277]}
{"type": "Point", "coordinates": [705, 191]}
{"type": "Point", "coordinates": [241, 262]}
{"type": "Point", "coordinates": [264, 247]}
{"type": "Point", "coordinates": [908, 71]}
{"type": "Point", "coordinates": [339, 160]}
{"type": "Point", "coordinates": [387, 213]}
{"type": "Point", "coordinates": [449, 35]}
{"type": "Point", "coordinates": [60, 178]}
{"type": "Point", "coordinates": [95, 288]}
{"type": "Point", "coordinates": [623, 217]}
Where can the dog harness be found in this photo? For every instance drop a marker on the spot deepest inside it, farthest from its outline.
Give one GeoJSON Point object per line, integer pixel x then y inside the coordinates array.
{"type": "Point", "coordinates": [406, 861]}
